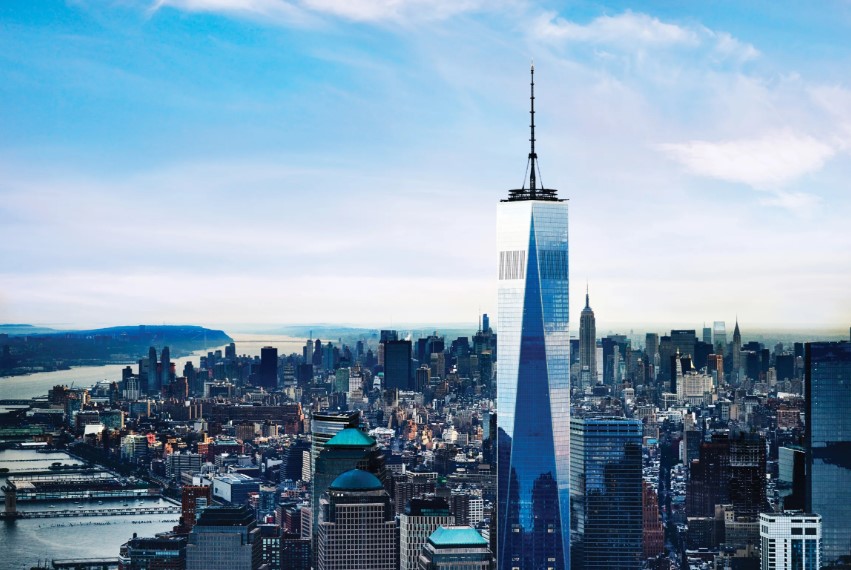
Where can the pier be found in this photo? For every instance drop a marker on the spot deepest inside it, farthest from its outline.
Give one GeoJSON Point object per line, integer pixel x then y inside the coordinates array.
{"type": "Point", "coordinates": [161, 510]}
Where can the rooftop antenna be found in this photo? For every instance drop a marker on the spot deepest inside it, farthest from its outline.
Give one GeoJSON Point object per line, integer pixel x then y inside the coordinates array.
{"type": "Point", "coordinates": [533, 158]}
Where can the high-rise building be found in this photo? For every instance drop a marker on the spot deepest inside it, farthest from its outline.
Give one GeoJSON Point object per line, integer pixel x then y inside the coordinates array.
{"type": "Point", "coordinates": [737, 353]}
{"type": "Point", "coordinates": [420, 519]}
{"type": "Point", "coordinates": [348, 449]}
{"type": "Point", "coordinates": [455, 548]}
{"type": "Point", "coordinates": [790, 541]}
{"type": "Point", "coordinates": [397, 365]}
{"type": "Point", "coordinates": [707, 335]}
{"type": "Point", "coordinates": [607, 491]}
{"type": "Point", "coordinates": [684, 341]}
{"type": "Point", "coordinates": [152, 378]}
{"type": "Point", "coordinates": [827, 438]}
{"type": "Point", "coordinates": [588, 340]}
{"type": "Point", "coordinates": [533, 395]}
{"type": "Point", "coordinates": [189, 502]}
{"type": "Point", "coordinates": [719, 334]}
{"type": "Point", "coordinates": [163, 552]}
{"type": "Point", "coordinates": [357, 525]}
{"type": "Point", "coordinates": [224, 538]}
{"type": "Point", "coordinates": [165, 369]}
{"type": "Point", "coordinates": [268, 376]}
{"type": "Point", "coordinates": [791, 478]}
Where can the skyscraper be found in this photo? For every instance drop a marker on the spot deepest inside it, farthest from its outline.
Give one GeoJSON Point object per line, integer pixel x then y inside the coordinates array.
{"type": "Point", "coordinates": [225, 538]}
{"type": "Point", "coordinates": [588, 340]}
{"type": "Point", "coordinates": [827, 437]}
{"type": "Point", "coordinates": [533, 397]}
{"type": "Point", "coordinates": [268, 377]}
{"type": "Point", "coordinates": [790, 541]}
{"type": "Point", "coordinates": [397, 364]}
{"type": "Point", "coordinates": [357, 525]}
{"type": "Point", "coordinates": [421, 518]}
{"type": "Point", "coordinates": [606, 486]}
{"type": "Point", "coordinates": [455, 548]}
{"type": "Point", "coordinates": [165, 371]}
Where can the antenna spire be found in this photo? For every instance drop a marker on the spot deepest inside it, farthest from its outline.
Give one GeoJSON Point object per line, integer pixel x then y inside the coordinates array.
{"type": "Point", "coordinates": [533, 158]}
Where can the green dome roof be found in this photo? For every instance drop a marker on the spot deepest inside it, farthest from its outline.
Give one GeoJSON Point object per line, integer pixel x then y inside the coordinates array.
{"type": "Point", "coordinates": [356, 480]}
{"type": "Point", "coordinates": [350, 437]}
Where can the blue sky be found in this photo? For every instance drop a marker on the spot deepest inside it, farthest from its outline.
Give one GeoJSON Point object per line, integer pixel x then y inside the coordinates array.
{"type": "Point", "coordinates": [264, 161]}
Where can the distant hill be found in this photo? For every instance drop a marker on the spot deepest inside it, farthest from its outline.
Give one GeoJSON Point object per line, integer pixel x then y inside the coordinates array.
{"type": "Point", "coordinates": [30, 349]}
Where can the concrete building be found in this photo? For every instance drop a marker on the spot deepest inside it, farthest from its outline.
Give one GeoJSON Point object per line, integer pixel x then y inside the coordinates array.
{"type": "Point", "coordinates": [790, 541]}
{"type": "Point", "coordinates": [224, 538]}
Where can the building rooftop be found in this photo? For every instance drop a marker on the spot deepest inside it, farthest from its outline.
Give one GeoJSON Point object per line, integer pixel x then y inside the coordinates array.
{"type": "Point", "coordinates": [356, 480]}
{"type": "Point", "coordinates": [457, 536]}
{"type": "Point", "coordinates": [350, 437]}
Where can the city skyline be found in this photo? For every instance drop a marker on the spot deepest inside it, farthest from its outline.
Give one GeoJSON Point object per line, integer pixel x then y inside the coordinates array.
{"type": "Point", "coordinates": [259, 162]}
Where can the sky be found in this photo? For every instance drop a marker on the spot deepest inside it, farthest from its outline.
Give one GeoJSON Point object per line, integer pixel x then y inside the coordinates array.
{"type": "Point", "coordinates": [272, 162]}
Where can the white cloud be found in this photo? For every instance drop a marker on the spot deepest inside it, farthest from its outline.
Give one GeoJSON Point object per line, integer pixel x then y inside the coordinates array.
{"type": "Point", "coordinates": [765, 162]}
{"type": "Point", "coordinates": [635, 31]}
{"type": "Point", "coordinates": [306, 11]}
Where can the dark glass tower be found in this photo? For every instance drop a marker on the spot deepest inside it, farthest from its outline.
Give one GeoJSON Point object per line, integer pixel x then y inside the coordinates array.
{"type": "Point", "coordinates": [533, 397]}
{"type": "Point", "coordinates": [268, 368]}
{"type": "Point", "coordinates": [827, 392]}
{"type": "Point", "coordinates": [607, 493]}
{"type": "Point", "coordinates": [397, 364]}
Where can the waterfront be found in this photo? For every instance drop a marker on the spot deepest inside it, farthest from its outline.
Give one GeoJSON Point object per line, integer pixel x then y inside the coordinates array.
{"type": "Point", "coordinates": [26, 542]}
{"type": "Point", "coordinates": [36, 385]}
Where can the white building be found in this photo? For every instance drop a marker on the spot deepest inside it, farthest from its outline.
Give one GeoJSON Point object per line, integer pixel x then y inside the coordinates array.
{"type": "Point", "coordinates": [790, 541]}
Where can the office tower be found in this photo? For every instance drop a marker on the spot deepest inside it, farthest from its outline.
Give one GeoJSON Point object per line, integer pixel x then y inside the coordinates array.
{"type": "Point", "coordinates": [357, 525]}
{"type": "Point", "coordinates": [224, 538]}
{"type": "Point", "coordinates": [719, 333]}
{"type": "Point", "coordinates": [606, 493]}
{"type": "Point", "coordinates": [684, 341]}
{"type": "Point", "coordinates": [666, 352]}
{"type": "Point", "coordinates": [420, 519]}
{"type": "Point", "coordinates": [651, 348]}
{"type": "Point", "coordinates": [397, 364]}
{"type": "Point", "coordinates": [533, 398]}
{"type": "Point", "coordinates": [747, 474]}
{"type": "Point", "coordinates": [423, 375]}
{"type": "Point", "coordinates": [230, 351]}
{"type": "Point", "coordinates": [165, 369]}
{"type": "Point", "coordinates": [348, 449]}
{"type": "Point", "coordinates": [153, 384]}
{"type": "Point", "coordinates": [588, 339]}
{"type": "Point", "coordinates": [707, 335]}
{"type": "Point", "coordinates": [827, 438]}
{"type": "Point", "coordinates": [386, 335]}
{"type": "Point", "coordinates": [709, 477]}
{"type": "Point", "coordinates": [455, 548]}
{"type": "Point", "coordinates": [791, 478]}
{"type": "Point", "coordinates": [295, 553]}
{"type": "Point", "coordinates": [486, 323]}
{"type": "Point", "coordinates": [790, 541]}
{"type": "Point", "coordinates": [325, 425]}
{"type": "Point", "coordinates": [407, 486]}
{"type": "Point", "coordinates": [268, 376]}
{"type": "Point", "coordinates": [271, 536]}
{"type": "Point", "coordinates": [715, 368]}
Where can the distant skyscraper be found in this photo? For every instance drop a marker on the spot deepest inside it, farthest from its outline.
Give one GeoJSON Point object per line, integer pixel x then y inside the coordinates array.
{"type": "Point", "coordinates": [153, 378]}
{"type": "Point", "coordinates": [397, 365]}
{"type": "Point", "coordinates": [607, 493]}
{"type": "Point", "coordinates": [588, 340]}
{"type": "Point", "coordinates": [737, 353]}
{"type": "Point", "coordinates": [707, 335]}
{"type": "Point", "coordinates": [165, 372]}
{"type": "Point", "coordinates": [268, 377]}
{"type": "Point", "coordinates": [225, 538]}
{"type": "Point", "coordinates": [684, 341]}
{"type": "Point", "coordinates": [790, 541]}
{"type": "Point", "coordinates": [827, 393]}
{"type": "Point", "coordinates": [357, 525]}
{"type": "Point", "coordinates": [533, 396]}
{"type": "Point", "coordinates": [719, 332]}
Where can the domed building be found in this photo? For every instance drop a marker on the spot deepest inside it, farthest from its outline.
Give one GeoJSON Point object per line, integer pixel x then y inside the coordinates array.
{"type": "Point", "coordinates": [357, 526]}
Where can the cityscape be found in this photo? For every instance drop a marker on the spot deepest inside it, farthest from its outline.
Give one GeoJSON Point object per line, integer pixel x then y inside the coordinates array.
{"type": "Point", "coordinates": [460, 416]}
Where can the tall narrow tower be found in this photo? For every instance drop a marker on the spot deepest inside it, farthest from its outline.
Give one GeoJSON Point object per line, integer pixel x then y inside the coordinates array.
{"type": "Point", "coordinates": [588, 340]}
{"type": "Point", "coordinates": [533, 401]}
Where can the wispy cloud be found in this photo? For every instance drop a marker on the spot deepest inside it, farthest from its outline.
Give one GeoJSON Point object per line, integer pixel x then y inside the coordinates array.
{"type": "Point", "coordinates": [635, 31]}
{"type": "Point", "coordinates": [765, 162]}
{"type": "Point", "coordinates": [301, 12]}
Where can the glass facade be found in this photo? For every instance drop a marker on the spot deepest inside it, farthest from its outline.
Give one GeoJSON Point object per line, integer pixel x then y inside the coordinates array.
{"type": "Point", "coordinates": [827, 392]}
{"type": "Point", "coordinates": [606, 488]}
{"type": "Point", "coordinates": [533, 375]}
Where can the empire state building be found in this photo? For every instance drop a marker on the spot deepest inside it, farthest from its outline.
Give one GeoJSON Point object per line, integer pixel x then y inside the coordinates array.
{"type": "Point", "coordinates": [533, 378]}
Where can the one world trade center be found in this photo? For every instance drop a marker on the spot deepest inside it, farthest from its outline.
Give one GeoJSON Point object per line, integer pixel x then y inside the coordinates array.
{"type": "Point", "coordinates": [533, 376]}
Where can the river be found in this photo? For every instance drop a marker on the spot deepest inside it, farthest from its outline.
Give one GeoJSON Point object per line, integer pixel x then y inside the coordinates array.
{"type": "Point", "coordinates": [35, 385]}
{"type": "Point", "coordinates": [24, 543]}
